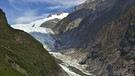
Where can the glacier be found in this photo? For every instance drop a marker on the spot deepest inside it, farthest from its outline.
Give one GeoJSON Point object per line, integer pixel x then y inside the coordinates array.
{"type": "Point", "coordinates": [42, 34]}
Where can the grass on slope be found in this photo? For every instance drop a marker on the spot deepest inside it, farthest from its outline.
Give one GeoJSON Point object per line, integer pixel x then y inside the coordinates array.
{"type": "Point", "coordinates": [22, 55]}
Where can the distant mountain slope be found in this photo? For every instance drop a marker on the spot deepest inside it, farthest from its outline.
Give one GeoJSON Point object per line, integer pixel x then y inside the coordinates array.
{"type": "Point", "coordinates": [22, 55]}
{"type": "Point", "coordinates": [81, 25]}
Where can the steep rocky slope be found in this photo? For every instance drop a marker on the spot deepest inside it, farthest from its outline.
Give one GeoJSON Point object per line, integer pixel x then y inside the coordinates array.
{"type": "Point", "coordinates": [50, 23]}
{"type": "Point", "coordinates": [22, 55]}
{"type": "Point", "coordinates": [81, 25]}
{"type": "Point", "coordinates": [112, 52]}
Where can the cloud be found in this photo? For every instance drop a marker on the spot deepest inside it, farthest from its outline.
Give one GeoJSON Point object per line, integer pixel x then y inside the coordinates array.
{"type": "Point", "coordinates": [31, 10]}
{"type": "Point", "coordinates": [59, 3]}
{"type": "Point", "coordinates": [13, 5]}
{"type": "Point", "coordinates": [65, 2]}
{"type": "Point", "coordinates": [55, 7]}
{"type": "Point", "coordinates": [29, 16]}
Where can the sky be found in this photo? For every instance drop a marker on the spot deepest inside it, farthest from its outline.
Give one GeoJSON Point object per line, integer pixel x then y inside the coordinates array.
{"type": "Point", "coordinates": [25, 11]}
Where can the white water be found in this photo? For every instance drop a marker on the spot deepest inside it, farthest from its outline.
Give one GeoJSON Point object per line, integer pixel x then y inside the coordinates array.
{"type": "Point", "coordinates": [70, 73]}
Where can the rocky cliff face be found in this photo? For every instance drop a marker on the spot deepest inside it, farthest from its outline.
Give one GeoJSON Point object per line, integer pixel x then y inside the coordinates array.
{"type": "Point", "coordinates": [22, 55]}
{"type": "Point", "coordinates": [112, 52]}
{"type": "Point", "coordinates": [81, 25]}
{"type": "Point", "coordinates": [51, 23]}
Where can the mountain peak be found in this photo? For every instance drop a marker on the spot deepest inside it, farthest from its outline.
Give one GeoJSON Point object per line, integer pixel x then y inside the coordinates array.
{"type": "Point", "coordinates": [0, 9]}
{"type": "Point", "coordinates": [3, 19]}
{"type": "Point", "coordinates": [55, 13]}
{"type": "Point", "coordinates": [90, 0]}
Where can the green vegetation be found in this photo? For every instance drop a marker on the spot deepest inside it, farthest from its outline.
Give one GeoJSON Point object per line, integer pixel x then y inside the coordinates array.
{"type": "Point", "coordinates": [22, 55]}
